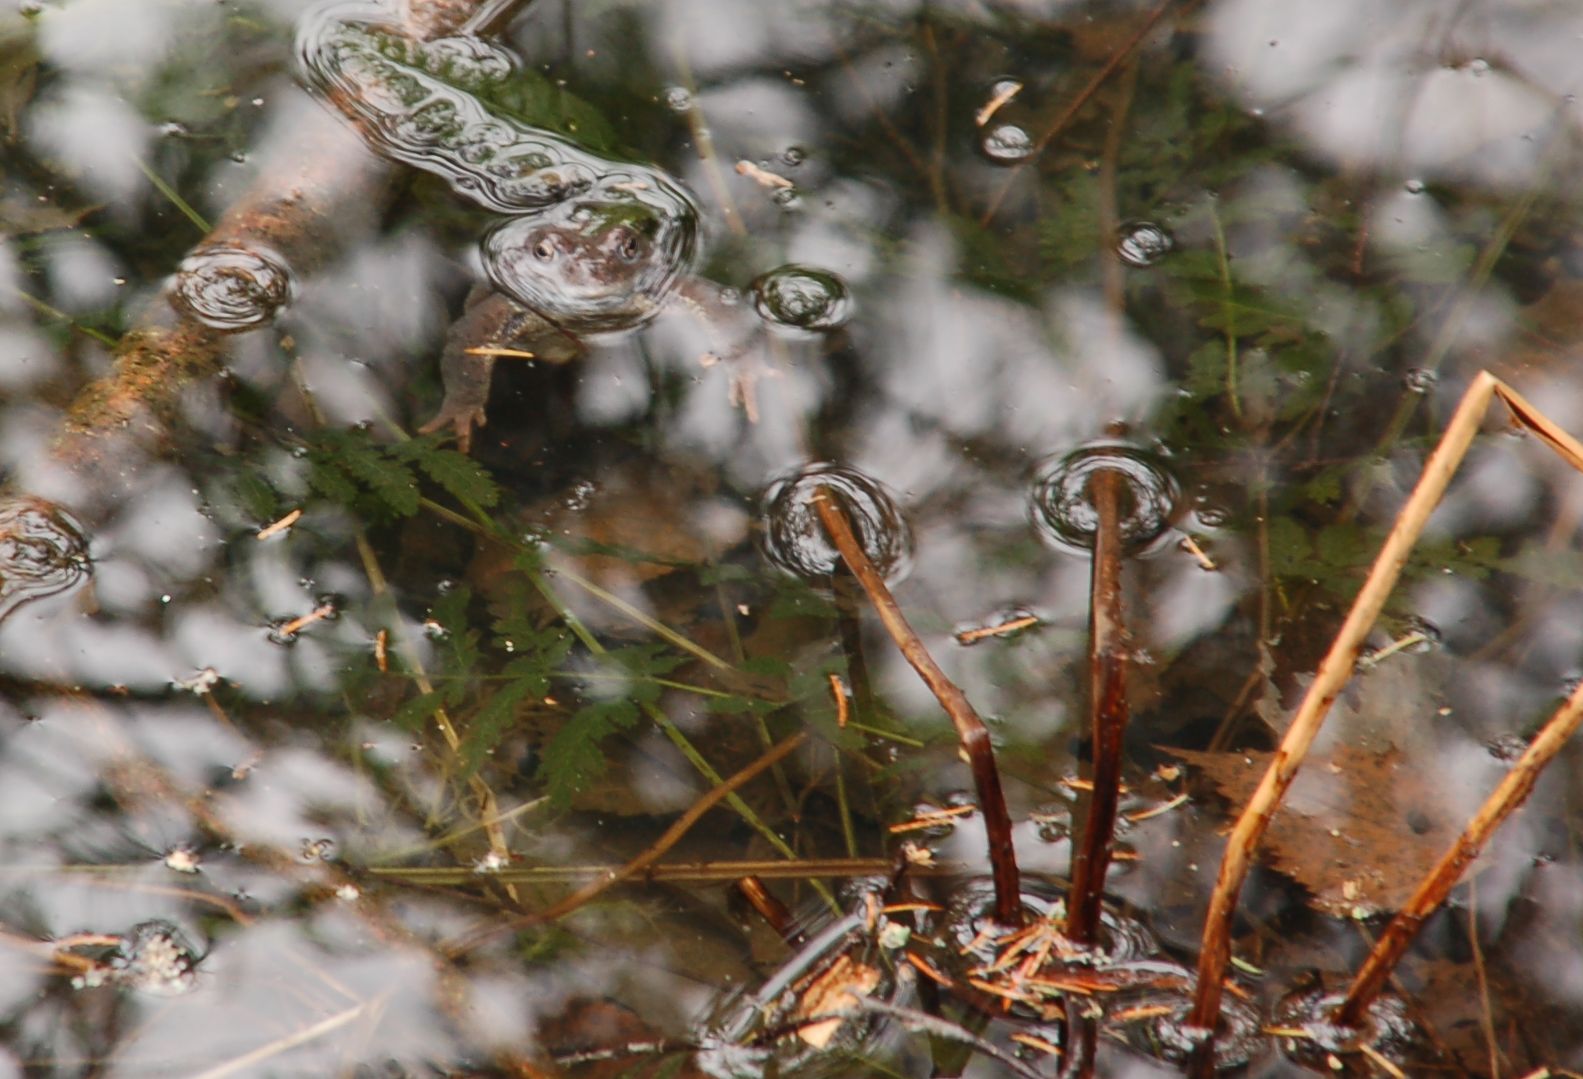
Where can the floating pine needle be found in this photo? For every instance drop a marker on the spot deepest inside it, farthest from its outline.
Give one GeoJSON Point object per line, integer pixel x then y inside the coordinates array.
{"type": "Point", "coordinates": [1004, 629]}
{"type": "Point", "coordinates": [1040, 1044]}
{"type": "Point", "coordinates": [842, 710]}
{"type": "Point", "coordinates": [1204, 561]}
{"type": "Point", "coordinates": [940, 818]}
{"type": "Point", "coordinates": [1008, 91]}
{"type": "Point", "coordinates": [924, 967]}
{"type": "Point", "coordinates": [1155, 811]}
{"type": "Point", "coordinates": [496, 350]}
{"type": "Point", "coordinates": [761, 176]}
{"type": "Point", "coordinates": [280, 526]}
{"type": "Point", "coordinates": [297, 625]}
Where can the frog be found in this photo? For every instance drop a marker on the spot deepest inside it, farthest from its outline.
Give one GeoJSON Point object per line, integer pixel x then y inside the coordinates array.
{"type": "Point", "coordinates": [581, 244]}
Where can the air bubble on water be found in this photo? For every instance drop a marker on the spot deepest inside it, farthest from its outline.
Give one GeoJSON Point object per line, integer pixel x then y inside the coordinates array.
{"type": "Point", "coordinates": [1429, 637]}
{"type": "Point", "coordinates": [1211, 514]}
{"type": "Point", "coordinates": [43, 551]}
{"type": "Point", "coordinates": [678, 98]}
{"type": "Point", "coordinates": [802, 298]}
{"type": "Point", "coordinates": [1420, 380]}
{"type": "Point", "coordinates": [794, 538]}
{"type": "Point", "coordinates": [171, 130]}
{"type": "Point", "coordinates": [793, 156]}
{"type": "Point", "coordinates": [1052, 822]}
{"type": "Point", "coordinates": [1006, 144]}
{"type": "Point", "coordinates": [1478, 66]}
{"type": "Point", "coordinates": [232, 288]}
{"type": "Point", "coordinates": [1063, 512]}
{"type": "Point", "coordinates": [1388, 1031]}
{"type": "Point", "coordinates": [787, 198]}
{"type": "Point", "coordinates": [1506, 748]}
{"type": "Point", "coordinates": [1142, 243]}
{"type": "Point", "coordinates": [1414, 187]}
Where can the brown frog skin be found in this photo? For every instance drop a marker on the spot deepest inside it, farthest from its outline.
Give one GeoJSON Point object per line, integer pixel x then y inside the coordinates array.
{"type": "Point", "coordinates": [575, 270]}
{"type": "Point", "coordinates": [489, 322]}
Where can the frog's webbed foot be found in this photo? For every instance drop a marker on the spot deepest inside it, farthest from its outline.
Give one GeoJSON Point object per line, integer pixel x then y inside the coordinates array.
{"type": "Point", "coordinates": [461, 417]}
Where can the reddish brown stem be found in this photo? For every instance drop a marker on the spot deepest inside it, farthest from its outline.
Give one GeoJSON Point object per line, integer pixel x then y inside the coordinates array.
{"type": "Point", "coordinates": [1107, 668]}
{"type": "Point", "coordinates": [769, 907]}
{"type": "Point", "coordinates": [1513, 790]}
{"type": "Point", "coordinates": [970, 729]}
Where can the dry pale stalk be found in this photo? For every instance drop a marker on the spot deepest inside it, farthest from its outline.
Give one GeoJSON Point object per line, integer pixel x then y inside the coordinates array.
{"type": "Point", "coordinates": [970, 729]}
{"type": "Point", "coordinates": [1332, 675]}
{"type": "Point", "coordinates": [1513, 790]}
{"type": "Point", "coordinates": [1334, 670]}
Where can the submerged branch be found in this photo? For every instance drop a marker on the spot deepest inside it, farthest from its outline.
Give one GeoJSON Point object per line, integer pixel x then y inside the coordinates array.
{"type": "Point", "coordinates": [642, 862]}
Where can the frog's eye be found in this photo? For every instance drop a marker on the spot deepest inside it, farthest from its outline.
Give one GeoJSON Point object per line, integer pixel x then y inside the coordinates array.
{"type": "Point", "coordinates": [544, 249]}
{"type": "Point", "coordinates": [627, 246]}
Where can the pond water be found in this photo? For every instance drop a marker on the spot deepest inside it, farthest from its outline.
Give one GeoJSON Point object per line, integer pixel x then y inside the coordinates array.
{"type": "Point", "coordinates": [280, 793]}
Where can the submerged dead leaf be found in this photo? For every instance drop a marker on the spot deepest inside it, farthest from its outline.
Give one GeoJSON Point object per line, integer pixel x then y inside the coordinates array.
{"type": "Point", "coordinates": [1359, 828]}
{"type": "Point", "coordinates": [833, 992]}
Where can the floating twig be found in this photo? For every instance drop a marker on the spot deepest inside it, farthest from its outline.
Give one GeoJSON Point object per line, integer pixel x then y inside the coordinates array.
{"type": "Point", "coordinates": [1001, 629]}
{"type": "Point", "coordinates": [762, 176]}
{"type": "Point", "coordinates": [1010, 89]}
{"type": "Point", "coordinates": [280, 526]}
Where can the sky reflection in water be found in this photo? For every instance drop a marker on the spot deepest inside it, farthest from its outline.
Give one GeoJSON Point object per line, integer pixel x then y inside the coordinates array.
{"type": "Point", "coordinates": [1434, 126]}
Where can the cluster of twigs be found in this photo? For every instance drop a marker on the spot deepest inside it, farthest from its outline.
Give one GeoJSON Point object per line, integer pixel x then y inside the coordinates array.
{"type": "Point", "coordinates": [1108, 714]}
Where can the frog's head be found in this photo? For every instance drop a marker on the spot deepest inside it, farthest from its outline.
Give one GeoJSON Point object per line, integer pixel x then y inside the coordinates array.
{"type": "Point", "coordinates": [601, 261]}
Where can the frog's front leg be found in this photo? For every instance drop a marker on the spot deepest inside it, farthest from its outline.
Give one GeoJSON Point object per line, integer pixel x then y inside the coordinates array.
{"type": "Point", "coordinates": [489, 324]}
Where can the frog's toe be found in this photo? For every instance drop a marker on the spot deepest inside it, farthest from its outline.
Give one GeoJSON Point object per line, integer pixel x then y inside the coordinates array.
{"type": "Point", "coordinates": [460, 420]}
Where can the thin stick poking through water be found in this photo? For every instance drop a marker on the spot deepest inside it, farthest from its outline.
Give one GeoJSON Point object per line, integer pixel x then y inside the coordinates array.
{"type": "Point", "coordinates": [970, 729]}
{"type": "Point", "coordinates": [1107, 668]}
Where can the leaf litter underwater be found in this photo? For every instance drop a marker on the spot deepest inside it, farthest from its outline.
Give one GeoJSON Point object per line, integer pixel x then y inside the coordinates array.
{"type": "Point", "coordinates": [749, 539]}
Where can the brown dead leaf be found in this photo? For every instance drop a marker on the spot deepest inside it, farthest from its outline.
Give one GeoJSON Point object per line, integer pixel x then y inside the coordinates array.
{"type": "Point", "coordinates": [833, 992]}
{"type": "Point", "coordinates": [1358, 829]}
